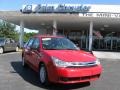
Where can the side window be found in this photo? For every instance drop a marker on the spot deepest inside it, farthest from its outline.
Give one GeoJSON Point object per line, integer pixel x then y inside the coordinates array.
{"type": "Point", "coordinates": [12, 41]}
{"type": "Point", "coordinates": [30, 42]}
{"type": "Point", "coordinates": [7, 41]}
{"type": "Point", "coordinates": [25, 45]}
{"type": "Point", "coordinates": [36, 43]}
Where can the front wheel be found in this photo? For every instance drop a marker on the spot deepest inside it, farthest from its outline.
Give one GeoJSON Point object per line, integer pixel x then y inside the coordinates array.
{"type": "Point", "coordinates": [43, 76]}
{"type": "Point", "coordinates": [1, 50]}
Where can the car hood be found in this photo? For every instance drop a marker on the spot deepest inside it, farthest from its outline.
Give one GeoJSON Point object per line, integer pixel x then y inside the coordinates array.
{"type": "Point", "coordinates": [71, 55]}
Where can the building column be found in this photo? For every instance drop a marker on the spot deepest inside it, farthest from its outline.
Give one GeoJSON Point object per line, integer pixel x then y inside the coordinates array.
{"type": "Point", "coordinates": [54, 28]}
{"type": "Point", "coordinates": [21, 36]}
{"type": "Point", "coordinates": [90, 35]}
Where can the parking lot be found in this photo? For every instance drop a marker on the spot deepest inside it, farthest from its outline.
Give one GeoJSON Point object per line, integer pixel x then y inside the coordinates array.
{"type": "Point", "coordinates": [14, 77]}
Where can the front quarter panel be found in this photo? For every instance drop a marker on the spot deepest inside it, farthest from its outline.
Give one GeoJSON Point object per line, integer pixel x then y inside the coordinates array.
{"type": "Point", "coordinates": [46, 59]}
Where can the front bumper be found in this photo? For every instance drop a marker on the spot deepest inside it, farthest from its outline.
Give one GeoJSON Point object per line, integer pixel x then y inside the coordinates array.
{"type": "Point", "coordinates": [77, 75]}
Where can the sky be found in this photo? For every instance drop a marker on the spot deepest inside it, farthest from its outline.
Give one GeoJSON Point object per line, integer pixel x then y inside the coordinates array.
{"type": "Point", "coordinates": [17, 4]}
{"type": "Point", "coordinates": [14, 5]}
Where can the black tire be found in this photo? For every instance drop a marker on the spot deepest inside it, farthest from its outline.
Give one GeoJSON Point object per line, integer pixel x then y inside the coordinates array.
{"type": "Point", "coordinates": [23, 62]}
{"type": "Point", "coordinates": [43, 75]}
{"type": "Point", "coordinates": [1, 50]}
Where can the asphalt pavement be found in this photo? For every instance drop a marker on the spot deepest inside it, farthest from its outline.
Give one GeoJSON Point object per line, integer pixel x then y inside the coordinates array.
{"type": "Point", "coordinates": [14, 77]}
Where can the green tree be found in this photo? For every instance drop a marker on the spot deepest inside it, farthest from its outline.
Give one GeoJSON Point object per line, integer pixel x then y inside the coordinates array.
{"type": "Point", "coordinates": [8, 30]}
{"type": "Point", "coordinates": [28, 35]}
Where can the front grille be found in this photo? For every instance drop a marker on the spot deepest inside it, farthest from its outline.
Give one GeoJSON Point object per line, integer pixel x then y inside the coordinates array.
{"type": "Point", "coordinates": [66, 79]}
{"type": "Point", "coordinates": [81, 66]}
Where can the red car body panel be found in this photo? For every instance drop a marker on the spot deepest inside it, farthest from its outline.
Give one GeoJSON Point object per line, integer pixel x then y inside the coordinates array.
{"type": "Point", "coordinates": [74, 75]}
{"type": "Point", "coordinates": [60, 74]}
{"type": "Point", "coordinates": [71, 55]}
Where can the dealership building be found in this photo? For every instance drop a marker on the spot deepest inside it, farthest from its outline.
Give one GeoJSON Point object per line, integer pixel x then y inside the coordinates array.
{"type": "Point", "coordinates": [91, 27]}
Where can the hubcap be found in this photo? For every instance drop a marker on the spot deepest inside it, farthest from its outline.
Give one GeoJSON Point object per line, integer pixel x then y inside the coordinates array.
{"type": "Point", "coordinates": [1, 50]}
{"type": "Point", "coordinates": [42, 74]}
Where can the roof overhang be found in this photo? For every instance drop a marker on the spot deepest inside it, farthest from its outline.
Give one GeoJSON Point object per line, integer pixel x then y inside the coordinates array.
{"type": "Point", "coordinates": [65, 21]}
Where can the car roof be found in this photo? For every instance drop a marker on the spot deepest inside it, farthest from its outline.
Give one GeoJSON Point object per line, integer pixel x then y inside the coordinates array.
{"type": "Point", "coordinates": [47, 36]}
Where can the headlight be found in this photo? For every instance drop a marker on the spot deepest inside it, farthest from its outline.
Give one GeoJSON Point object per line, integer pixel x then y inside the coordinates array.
{"type": "Point", "coordinates": [97, 61]}
{"type": "Point", "coordinates": [59, 63]}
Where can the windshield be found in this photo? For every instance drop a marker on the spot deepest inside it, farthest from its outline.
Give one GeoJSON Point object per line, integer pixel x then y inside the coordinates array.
{"type": "Point", "coordinates": [58, 44]}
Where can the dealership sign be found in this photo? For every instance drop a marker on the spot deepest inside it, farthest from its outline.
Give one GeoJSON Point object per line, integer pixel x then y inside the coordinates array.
{"type": "Point", "coordinates": [55, 8]}
{"type": "Point", "coordinates": [100, 15]}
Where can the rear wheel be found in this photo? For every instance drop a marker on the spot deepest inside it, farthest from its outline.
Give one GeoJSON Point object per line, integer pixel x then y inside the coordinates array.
{"type": "Point", "coordinates": [1, 50]}
{"type": "Point", "coordinates": [43, 76]}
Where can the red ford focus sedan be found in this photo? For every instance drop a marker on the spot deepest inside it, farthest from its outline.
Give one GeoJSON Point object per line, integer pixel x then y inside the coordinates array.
{"type": "Point", "coordinates": [58, 60]}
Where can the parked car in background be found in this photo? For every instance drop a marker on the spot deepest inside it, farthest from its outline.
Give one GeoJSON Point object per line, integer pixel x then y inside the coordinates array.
{"type": "Point", "coordinates": [7, 44]}
{"type": "Point", "coordinates": [58, 60]}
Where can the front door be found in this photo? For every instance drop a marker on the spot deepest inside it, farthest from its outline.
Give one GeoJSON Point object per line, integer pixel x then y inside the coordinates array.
{"type": "Point", "coordinates": [35, 53]}
{"type": "Point", "coordinates": [28, 51]}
